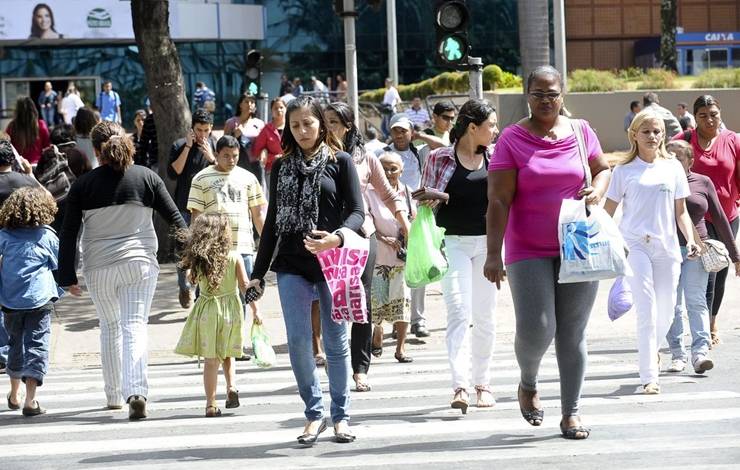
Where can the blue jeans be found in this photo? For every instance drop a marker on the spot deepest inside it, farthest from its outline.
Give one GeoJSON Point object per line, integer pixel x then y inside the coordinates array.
{"type": "Point", "coordinates": [296, 294]}
{"type": "Point", "coordinates": [182, 279]}
{"type": "Point", "coordinates": [693, 286]}
{"type": "Point", "coordinates": [4, 346]}
{"type": "Point", "coordinates": [29, 332]}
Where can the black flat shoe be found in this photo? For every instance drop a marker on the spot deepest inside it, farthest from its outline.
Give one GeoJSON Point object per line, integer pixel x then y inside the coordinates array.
{"type": "Point", "coordinates": [308, 439]}
{"type": "Point", "coordinates": [136, 407]}
{"type": "Point", "coordinates": [232, 399]}
{"type": "Point", "coordinates": [34, 411]}
{"type": "Point", "coordinates": [344, 437]}
{"type": "Point", "coordinates": [578, 432]}
{"type": "Point", "coordinates": [533, 416]}
{"type": "Point", "coordinates": [377, 352]}
{"type": "Point", "coordinates": [403, 359]}
{"type": "Point", "coordinates": [12, 406]}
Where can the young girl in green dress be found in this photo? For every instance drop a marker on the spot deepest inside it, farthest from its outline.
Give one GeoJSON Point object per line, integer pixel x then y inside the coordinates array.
{"type": "Point", "coordinates": [213, 329]}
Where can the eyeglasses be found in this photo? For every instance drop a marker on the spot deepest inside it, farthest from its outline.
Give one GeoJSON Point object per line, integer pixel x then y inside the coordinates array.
{"type": "Point", "coordinates": [543, 96]}
{"type": "Point", "coordinates": [447, 117]}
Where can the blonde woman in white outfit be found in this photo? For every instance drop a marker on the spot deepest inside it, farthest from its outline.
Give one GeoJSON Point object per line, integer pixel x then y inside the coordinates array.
{"type": "Point", "coordinates": [652, 187]}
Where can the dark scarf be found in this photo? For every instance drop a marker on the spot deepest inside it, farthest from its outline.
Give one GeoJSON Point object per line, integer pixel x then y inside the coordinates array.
{"type": "Point", "coordinates": [298, 191]}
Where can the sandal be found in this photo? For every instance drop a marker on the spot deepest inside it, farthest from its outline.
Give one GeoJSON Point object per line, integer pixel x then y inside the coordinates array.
{"type": "Point", "coordinates": [460, 400]}
{"type": "Point", "coordinates": [343, 437]}
{"type": "Point", "coordinates": [578, 432]}
{"type": "Point", "coordinates": [487, 403]}
{"type": "Point", "coordinates": [212, 411]}
{"type": "Point", "coordinates": [320, 360]}
{"type": "Point", "coordinates": [361, 386]}
{"type": "Point", "coordinates": [37, 410]}
{"type": "Point", "coordinates": [715, 338]}
{"type": "Point", "coordinates": [651, 389]}
{"type": "Point", "coordinates": [11, 405]}
{"type": "Point", "coordinates": [403, 359]}
{"type": "Point", "coordinates": [533, 416]}
{"type": "Point", "coordinates": [377, 351]}
{"type": "Point", "coordinates": [232, 398]}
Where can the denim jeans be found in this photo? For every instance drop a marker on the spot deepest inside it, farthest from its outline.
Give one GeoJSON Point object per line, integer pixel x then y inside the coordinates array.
{"type": "Point", "coordinates": [29, 332]}
{"type": "Point", "coordinates": [691, 286]}
{"type": "Point", "coordinates": [4, 346]}
{"type": "Point", "coordinates": [182, 279]}
{"type": "Point", "coordinates": [296, 294]}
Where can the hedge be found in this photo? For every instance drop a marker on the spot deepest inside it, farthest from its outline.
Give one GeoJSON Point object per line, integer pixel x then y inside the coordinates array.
{"type": "Point", "coordinates": [589, 80]}
{"type": "Point", "coordinates": [719, 78]}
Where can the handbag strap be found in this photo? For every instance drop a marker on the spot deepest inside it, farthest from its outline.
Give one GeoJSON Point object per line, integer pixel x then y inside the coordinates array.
{"type": "Point", "coordinates": [577, 125]}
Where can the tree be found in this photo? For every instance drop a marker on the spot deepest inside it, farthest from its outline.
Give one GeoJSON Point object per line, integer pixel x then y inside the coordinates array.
{"type": "Point", "coordinates": [668, 18]}
{"type": "Point", "coordinates": [165, 86]}
{"type": "Point", "coordinates": [534, 37]}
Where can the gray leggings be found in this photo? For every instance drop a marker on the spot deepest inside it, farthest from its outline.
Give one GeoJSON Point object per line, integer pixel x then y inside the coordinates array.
{"type": "Point", "coordinates": [545, 310]}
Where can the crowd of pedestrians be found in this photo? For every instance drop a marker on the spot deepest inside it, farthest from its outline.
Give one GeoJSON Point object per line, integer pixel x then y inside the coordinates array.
{"type": "Point", "coordinates": [272, 196]}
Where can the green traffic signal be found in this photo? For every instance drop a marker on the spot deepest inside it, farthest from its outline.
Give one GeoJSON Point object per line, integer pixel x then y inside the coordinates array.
{"type": "Point", "coordinates": [252, 89]}
{"type": "Point", "coordinates": [452, 49]}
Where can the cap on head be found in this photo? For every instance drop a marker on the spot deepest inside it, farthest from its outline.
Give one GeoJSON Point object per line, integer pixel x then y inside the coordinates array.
{"type": "Point", "coordinates": [401, 120]}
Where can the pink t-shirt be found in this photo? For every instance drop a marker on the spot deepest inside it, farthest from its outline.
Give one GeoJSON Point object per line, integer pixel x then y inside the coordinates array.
{"type": "Point", "coordinates": [721, 163]}
{"type": "Point", "coordinates": [547, 172]}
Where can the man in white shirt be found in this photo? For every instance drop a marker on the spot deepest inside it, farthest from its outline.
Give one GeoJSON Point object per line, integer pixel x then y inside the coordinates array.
{"type": "Point", "coordinates": [71, 103]}
{"type": "Point", "coordinates": [682, 110]}
{"type": "Point", "coordinates": [650, 101]}
{"type": "Point", "coordinates": [391, 100]}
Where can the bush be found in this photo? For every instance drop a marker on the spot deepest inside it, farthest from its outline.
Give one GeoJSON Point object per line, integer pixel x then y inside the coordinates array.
{"type": "Point", "coordinates": [631, 73]}
{"type": "Point", "coordinates": [510, 80]}
{"type": "Point", "coordinates": [492, 76]}
{"type": "Point", "coordinates": [658, 79]}
{"type": "Point", "coordinates": [588, 80]}
{"type": "Point", "coordinates": [719, 78]}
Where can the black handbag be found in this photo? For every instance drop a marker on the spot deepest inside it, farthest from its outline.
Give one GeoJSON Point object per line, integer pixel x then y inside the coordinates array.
{"type": "Point", "coordinates": [54, 173]}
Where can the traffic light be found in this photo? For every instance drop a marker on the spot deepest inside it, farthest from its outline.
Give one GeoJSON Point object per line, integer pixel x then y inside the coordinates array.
{"type": "Point", "coordinates": [451, 21]}
{"type": "Point", "coordinates": [253, 72]}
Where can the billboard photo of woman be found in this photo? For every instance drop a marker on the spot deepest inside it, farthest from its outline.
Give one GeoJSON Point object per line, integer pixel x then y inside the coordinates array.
{"type": "Point", "coordinates": [42, 23]}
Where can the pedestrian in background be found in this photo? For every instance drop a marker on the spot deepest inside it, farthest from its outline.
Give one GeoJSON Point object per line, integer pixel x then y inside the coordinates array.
{"type": "Point", "coordinates": [29, 250]}
{"type": "Point", "coordinates": [119, 248]}
{"type": "Point", "coordinates": [315, 191]}
{"type": "Point", "coordinates": [535, 165]}
{"type": "Point", "coordinates": [716, 155]}
{"type": "Point", "coordinates": [653, 186]}
{"type": "Point", "coordinates": [682, 111]}
{"type": "Point", "coordinates": [71, 103]}
{"type": "Point", "coordinates": [341, 122]}
{"type": "Point", "coordinates": [438, 134]}
{"type": "Point", "coordinates": [47, 102]}
{"type": "Point", "coordinates": [651, 101]}
{"type": "Point", "coordinates": [389, 106]}
{"type": "Point", "coordinates": [245, 126]}
{"type": "Point", "coordinates": [189, 156]}
{"type": "Point", "coordinates": [28, 133]}
{"type": "Point", "coordinates": [417, 114]}
{"type": "Point", "coordinates": [391, 297]}
{"type": "Point", "coordinates": [692, 284]}
{"type": "Point", "coordinates": [204, 98]}
{"type": "Point", "coordinates": [213, 329]}
{"type": "Point", "coordinates": [461, 171]}
{"type": "Point", "coordinates": [140, 158]}
{"type": "Point", "coordinates": [109, 103]}
{"type": "Point", "coordinates": [634, 109]}
{"type": "Point", "coordinates": [266, 146]}
{"type": "Point", "coordinates": [84, 121]}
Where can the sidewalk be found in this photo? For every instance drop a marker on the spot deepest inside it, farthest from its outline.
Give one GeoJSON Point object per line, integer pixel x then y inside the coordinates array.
{"type": "Point", "coordinates": [75, 334]}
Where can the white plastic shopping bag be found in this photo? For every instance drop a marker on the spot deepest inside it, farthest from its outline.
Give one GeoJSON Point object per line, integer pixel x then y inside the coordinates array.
{"type": "Point", "coordinates": [591, 246]}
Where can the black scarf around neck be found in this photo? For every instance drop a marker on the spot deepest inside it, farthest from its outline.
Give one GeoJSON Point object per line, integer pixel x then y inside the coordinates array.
{"type": "Point", "coordinates": [298, 191]}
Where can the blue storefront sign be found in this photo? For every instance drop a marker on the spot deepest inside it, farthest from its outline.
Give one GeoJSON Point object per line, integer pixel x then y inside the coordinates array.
{"type": "Point", "coordinates": [698, 52]}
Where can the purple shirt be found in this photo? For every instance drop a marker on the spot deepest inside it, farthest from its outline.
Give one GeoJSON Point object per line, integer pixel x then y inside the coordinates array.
{"type": "Point", "coordinates": [548, 171]}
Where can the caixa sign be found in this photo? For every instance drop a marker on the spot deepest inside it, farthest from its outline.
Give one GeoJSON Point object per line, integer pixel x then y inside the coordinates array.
{"type": "Point", "coordinates": [708, 38]}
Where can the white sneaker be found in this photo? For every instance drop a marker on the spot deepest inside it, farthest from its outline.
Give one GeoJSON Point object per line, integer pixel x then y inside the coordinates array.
{"type": "Point", "coordinates": [702, 364]}
{"type": "Point", "coordinates": [677, 365]}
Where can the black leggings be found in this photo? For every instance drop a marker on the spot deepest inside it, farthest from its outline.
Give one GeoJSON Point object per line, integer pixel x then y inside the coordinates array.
{"type": "Point", "coordinates": [362, 333]}
{"type": "Point", "coordinates": [716, 284]}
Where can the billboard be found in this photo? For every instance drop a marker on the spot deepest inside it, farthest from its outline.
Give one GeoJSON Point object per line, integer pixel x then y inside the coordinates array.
{"type": "Point", "coordinates": [73, 21]}
{"type": "Point", "coordinates": [57, 20]}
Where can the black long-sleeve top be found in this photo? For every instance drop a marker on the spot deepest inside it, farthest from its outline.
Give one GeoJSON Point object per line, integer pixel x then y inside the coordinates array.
{"type": "Point", "coordinates": [340, 205]}
{"type": "Point", "coordinates": [702, 200]}
{"type": "Point", "coordinates": [117, 210]}
{"type": "Point", "coordinates": [196, 161]}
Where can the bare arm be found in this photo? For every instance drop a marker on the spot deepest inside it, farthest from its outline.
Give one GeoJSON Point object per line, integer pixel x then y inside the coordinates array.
{"type": "Point", "coordinates": [610, 207]}
{"type": "Point", "coordinates": [687, 227]}
{"type": "Point", "coordinates": [194, 213]}
{"type": "Point", "coordinates": [241, 275]}
{"type": "Point", "coordinates": [433, 141]}
{"type": "Point", "coordinates": [600, 175]}
{"type": "Point", "coordinates": [258, 217]}
{"type": "Point", "coordinates": [501, 191]}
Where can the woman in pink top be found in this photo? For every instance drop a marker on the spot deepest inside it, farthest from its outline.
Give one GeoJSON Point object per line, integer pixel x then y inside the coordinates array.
{"type": "Point", "coordinates": [28, 134]}
{"type": "Point", "coordinates": [246, 126]}
{"type": "Point", "coordinates": [340, 120]}
{"type": "Point", "coordinates": [716, 155]}
{"type": "Point", "coordinates": [535, 165]}
{"type": "Point", "coordinates": [266, 147]}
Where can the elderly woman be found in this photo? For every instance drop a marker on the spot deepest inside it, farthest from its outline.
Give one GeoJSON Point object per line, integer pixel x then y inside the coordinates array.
{"type": "Point", "coordinates": [716, 155]}
{"type": "Point", "coordinates": [119, 246]}
{"type": "Point", "coordinates": [537, 164]}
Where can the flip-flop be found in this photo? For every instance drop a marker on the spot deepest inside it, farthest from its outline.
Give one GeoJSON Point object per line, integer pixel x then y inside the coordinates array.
{"type": "Point", "coordinates": [11, 406]}
{"type": "Point", "coordinates": [403, 359]}
{"type": "Point", "coordinates": [361, 386]}
{"type": "Point", "coordinates": [212, 411]}
{"type": "Point", "coordinates": [34, 411]}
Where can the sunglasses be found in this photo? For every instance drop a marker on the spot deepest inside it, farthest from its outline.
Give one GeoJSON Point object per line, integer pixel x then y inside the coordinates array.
{"type": "Point", "coordinates": [543, 96]}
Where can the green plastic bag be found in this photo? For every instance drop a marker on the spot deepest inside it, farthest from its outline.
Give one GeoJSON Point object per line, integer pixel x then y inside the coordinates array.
{"type": "Point", "coordinates": [264, 355]}
{"type": "Point", "coordinates": [426, 261]}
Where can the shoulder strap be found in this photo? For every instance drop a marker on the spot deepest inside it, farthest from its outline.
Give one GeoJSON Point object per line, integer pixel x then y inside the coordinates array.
{"type": "Point", "coordinates": [408, 199]}
{"type": "Point", "coordinates": [577, 125]}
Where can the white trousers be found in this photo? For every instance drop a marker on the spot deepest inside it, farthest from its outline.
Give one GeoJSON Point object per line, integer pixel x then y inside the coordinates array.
{"type": "Point", "coordinates": [470, 300]}
{"type": "Point", "coordinates": [122, 294]}
{"type": "Point", "coordinates": [654, 282]}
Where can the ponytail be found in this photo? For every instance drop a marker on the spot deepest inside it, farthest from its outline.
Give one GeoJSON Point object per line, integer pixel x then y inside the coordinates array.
{"type": "Point", "coordinates": [118, 153]}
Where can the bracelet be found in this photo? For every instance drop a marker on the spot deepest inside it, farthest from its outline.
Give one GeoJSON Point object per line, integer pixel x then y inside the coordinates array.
{"type": "Point", "coordinates": [341, 238]}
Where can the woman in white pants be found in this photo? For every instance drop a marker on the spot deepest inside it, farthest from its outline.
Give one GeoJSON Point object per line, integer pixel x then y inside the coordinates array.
{"type": "Point", "coordinates": [461, 170]}
{"type": "Point", "coordinates": [119, 249]}
{"type": "Point", "coordinates": [653, 188]}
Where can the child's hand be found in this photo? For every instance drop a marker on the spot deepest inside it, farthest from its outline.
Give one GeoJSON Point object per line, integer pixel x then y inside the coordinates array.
{"type": "Point", "coordinates": [75, 290]}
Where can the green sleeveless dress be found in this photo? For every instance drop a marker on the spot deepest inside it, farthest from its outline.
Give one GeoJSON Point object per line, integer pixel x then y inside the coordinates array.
{"type": "Point", "coordinates": [214, 327]}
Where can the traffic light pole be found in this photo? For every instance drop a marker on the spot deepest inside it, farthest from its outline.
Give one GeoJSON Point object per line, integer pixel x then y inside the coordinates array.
{"type": "Point", "coordinates": [350, 56]}
{"type": "Point", "coordinates": [390, 13]}
{"type": "Point", "coordinates": [475, 76]}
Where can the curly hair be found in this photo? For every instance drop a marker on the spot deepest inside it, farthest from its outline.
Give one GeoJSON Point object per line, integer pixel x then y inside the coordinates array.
{"type": "Point", "coordinates": [206, 248]}
{"type": "Point", "coordinates": [118, 152]}
{"type": "Point", "coordinates": [103, 131]}
{"type": "Point", "coordinates": [27, 208]}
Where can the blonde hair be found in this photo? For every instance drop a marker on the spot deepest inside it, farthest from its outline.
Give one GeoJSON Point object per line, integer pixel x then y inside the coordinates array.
{"type": "Point", "coordinates": [637, 122]}
{"type": "Point", "coordinates": [680, 148]}
{"type": "Point", "coordinates": [206, 248]}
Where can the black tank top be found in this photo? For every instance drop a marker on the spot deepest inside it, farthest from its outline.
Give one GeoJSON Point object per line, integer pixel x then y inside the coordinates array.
{"type": "Point", "coordinates": [465, 213]}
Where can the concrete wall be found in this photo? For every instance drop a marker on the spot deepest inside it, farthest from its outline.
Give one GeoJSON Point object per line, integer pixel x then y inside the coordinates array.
{"type": "Point", "coordinates": [606, 111]}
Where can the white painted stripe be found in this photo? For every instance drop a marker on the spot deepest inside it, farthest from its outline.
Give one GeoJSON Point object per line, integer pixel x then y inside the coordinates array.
{"type": "Point", "coordinates": [389, 413]}
{"type": "Point", "coordinates": [461, 427]}
{"type": "Point", "coordinates": [293, 398]}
